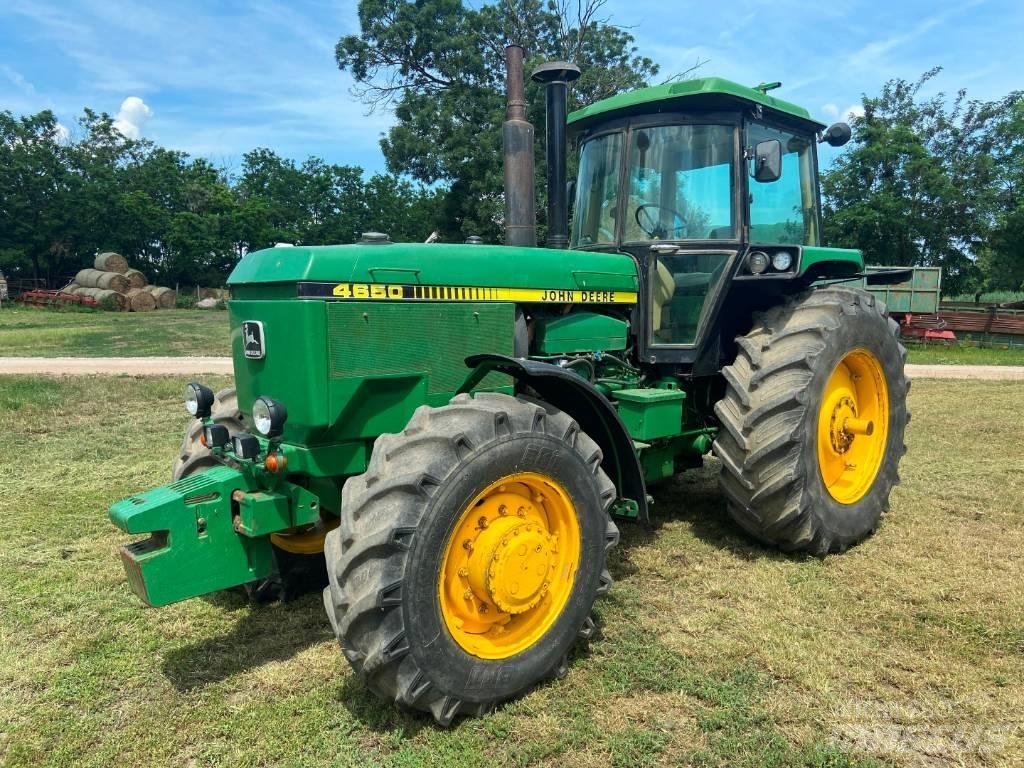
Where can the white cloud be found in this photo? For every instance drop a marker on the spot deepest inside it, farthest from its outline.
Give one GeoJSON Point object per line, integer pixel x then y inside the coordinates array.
{"type": "Point", "coordinates": [830, 109]}
{"type": "Point", "coordinates": [63, 134]}
{"type": "Point", "coordinates": [132, 116]}
{"type": "Point", "coordinates": [854, 110]}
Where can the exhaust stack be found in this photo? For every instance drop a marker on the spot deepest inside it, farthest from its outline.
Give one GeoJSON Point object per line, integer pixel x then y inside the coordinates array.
{"type": "Point", "coordinates": [517, 141]}
{"type": "Point", "coordinates": [556, 76]}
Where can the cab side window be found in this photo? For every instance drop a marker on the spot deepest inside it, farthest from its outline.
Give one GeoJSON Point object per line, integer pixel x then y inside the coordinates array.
{"type": "Point", "coordinates": [784, 211]}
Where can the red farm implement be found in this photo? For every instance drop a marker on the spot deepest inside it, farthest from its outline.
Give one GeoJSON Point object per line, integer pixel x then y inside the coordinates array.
{"type": "Point", "coordinates": [55, 298]}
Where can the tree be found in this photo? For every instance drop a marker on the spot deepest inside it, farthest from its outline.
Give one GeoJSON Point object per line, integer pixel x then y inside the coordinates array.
{"type": "Point", "coordinates": [440, 66]}
{"type": "Point", "coordinates": [35, 189]}
{"type": "Point", "coordinates": [918, 184]}
{"type": "Point", "coordinates": [1003, 261]}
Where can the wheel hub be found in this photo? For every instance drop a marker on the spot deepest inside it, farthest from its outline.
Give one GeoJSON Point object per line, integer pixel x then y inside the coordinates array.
{"type": "Point", "coordinates": [511, 564]}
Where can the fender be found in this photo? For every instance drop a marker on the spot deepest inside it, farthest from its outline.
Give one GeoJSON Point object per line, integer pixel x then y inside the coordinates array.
{"type": "Point", "coordinates": [580, 399]}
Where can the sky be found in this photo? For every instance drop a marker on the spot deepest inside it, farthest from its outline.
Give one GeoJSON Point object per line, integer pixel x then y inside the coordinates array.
{"type": "Point", "coordinates": [216, 79]}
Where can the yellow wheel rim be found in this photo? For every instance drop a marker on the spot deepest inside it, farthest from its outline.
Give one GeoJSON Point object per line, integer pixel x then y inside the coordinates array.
{"type": "Point", "coordinates": [853, 426]}
{"type": "Point", "coordinates": [510, 564]}
{"type": "Point", "coordinates": [307, 539]}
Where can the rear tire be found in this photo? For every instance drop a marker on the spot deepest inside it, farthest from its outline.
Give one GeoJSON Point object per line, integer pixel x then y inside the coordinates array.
{"type": "Point", "coordinates": [388, 563]}
{"type": "Point", "coordinates": [776, 411]}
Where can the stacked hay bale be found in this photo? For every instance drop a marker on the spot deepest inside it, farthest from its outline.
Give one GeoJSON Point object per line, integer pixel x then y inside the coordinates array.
{"type": "Point", "coordinates": [165, 297]}
{"type": "Point", "coordinates": [113, 281]}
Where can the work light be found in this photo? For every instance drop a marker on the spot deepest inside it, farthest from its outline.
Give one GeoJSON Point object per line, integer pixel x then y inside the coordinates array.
{"type": "Point", "coordinates": [215, 435]}
{"type": "Point", "coordinates": [757, 262]}
{"type": "Point", "coordinates": [245, 446]}
{"type": "Point", "coordinates": [268, 416]}
{"type": "Point", "coordinates": [782, 260]}
{"type": "Point", "coordinates": [198, 400]}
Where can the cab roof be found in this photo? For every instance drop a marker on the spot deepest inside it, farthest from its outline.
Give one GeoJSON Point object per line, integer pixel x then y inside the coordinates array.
{"type": "Point", "coordinates": [702, 93]}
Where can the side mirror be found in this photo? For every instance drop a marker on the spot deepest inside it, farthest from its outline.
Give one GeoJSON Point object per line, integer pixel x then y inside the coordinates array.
{"type": "Point", "coordinates": [768, 161]}
{"type": "Point", "coordinates": [837, 134]}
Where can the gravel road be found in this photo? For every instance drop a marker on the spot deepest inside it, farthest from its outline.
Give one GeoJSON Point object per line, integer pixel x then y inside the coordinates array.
{"type": "Point", "coordinates": [186, 366]}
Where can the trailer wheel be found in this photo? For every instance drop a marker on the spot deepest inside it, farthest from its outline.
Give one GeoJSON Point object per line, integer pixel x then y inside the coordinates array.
{"type": "Point", "coordinates": [813, 421]}
{"type": "Point", "coordinates": [470, 554]}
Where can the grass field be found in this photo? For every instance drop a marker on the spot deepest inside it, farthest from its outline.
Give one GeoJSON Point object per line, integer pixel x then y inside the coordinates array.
{"type": "Point", "coordinates": [31, 332]}
{"type": "Point", "coordinates": [713, 651]}
{"type": "Point", "coordinates": [939, 354]}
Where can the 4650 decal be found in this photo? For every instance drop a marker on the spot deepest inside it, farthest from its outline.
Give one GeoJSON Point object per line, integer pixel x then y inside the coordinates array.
{"type": "Point", "coordinates": [397, 292]}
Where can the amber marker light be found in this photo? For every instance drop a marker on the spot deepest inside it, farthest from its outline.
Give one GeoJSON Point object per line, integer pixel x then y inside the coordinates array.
{"type": "Point", "coordinates": [274, 462]}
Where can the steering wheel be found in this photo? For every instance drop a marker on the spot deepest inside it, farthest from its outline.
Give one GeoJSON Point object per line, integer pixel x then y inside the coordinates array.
{"type": "Point", "coordinates": [655, 229]}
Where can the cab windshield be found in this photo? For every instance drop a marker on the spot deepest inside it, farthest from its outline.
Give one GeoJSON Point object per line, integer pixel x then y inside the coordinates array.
{"type": "Point", "coordinates": [679, 186]}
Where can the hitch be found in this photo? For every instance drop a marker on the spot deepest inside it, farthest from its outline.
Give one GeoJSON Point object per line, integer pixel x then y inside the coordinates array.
{"type": "Point", "coordinates": [207, 532]}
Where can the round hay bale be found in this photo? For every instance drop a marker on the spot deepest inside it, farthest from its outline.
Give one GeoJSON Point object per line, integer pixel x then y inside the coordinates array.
{"type": "Point", "coordinates": [166, 298]}
{"type": "Point", "coordinates": [85, 277]}
{"type": "Point", "coordinates": [141, 300]}
{"type": "Point", "coordinates": [102, 295]}
{"type": "Point", "coordinates": [135, 278]}
{"type": "Point", "coordinates": [110, 281]}
{"type": "Point", "coordinates": [111, 262]}
{"type": "Point", "coordinates": [71, 288]}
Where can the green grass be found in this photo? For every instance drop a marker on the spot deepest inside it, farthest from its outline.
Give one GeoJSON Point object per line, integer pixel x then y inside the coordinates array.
{"type": "Point", "coordinates": [38, 332]}
{"type": "Point", "coordinates": [712, 651]}
{"type": "Point", "coordinates": [993, 297]}
{"type": "Point", "coordinates": [940, 354]}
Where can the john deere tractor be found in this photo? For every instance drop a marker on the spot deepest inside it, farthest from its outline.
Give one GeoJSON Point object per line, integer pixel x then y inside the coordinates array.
{"type": "Point", "coordinates": [447, 435]}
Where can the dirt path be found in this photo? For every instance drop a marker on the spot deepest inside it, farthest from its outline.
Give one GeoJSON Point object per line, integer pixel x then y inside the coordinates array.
{"type": "Point", "coordinates": [184, 366]}
{"type": "Point", "coordinates": [133, 366]}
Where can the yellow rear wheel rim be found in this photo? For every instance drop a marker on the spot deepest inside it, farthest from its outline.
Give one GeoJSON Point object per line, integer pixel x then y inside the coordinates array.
{"type": "Point", "coordinates": [509, 566]}
{"type": "Point", "coordinates": [853, 426]}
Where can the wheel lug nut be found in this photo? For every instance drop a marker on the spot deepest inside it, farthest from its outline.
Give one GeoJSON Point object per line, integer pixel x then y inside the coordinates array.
{"type": "Point", "coordinates": [468, 594]}
{"type": "Point", "coordinates": [521, 511]}
{"type": "Point", "coordinates": [467, 544]}
{"type": "Point", "coordinates": [502, 510]}
{"type": "Point", "coordinates": [463, 572]}
{"type": "Point", "coordinates": [482, 522]}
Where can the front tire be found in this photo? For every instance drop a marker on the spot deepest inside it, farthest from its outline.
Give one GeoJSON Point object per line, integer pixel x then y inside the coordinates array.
{"type": "Point", "coordinates": [813, 421]}
{"type": "Point", "coordinates": [470, 554]}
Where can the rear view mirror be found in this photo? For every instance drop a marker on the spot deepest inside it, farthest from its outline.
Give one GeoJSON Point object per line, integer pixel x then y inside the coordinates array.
{"type": "Point", "coordinates": [837, 134]}
{"type": "Point", "coordinates": [768, 161]}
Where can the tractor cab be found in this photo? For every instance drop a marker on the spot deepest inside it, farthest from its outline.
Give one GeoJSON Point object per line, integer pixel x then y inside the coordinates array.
{"type": "Point", "coordinates": [692, 179]}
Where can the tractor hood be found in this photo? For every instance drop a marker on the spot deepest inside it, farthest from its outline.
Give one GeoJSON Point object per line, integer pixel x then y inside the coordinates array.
{"type": "Point", "coordinates": [495, 266]}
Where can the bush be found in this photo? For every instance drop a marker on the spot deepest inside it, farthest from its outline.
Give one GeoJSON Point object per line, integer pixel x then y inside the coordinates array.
{"type": "Point", "coordinates": [109, 304]}
{"type": "Point", "coordinates": [185, 301]}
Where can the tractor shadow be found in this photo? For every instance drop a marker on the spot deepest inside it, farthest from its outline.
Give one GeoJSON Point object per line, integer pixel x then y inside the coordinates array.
{"type": "Point", "coordinates": [260, 634]}
{"type": "Point", "coordinates": [691, 498]}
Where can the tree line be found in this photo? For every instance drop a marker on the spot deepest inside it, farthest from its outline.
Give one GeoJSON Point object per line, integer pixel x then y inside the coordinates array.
{"type": "Point", "coordinates": [931, 181]}
{"type": "Point", "coordinates": [182, 220]}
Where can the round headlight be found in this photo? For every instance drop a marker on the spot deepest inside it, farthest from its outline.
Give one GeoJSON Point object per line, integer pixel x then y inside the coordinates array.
{"type": "Point", "coordinates": [198, 400]}
{"type": "Point", "coordinates": [268, 416]}
{"type": "Point", "coordinates": [782, 260]}
{"type": "Point", "coordinates": [757, 262]}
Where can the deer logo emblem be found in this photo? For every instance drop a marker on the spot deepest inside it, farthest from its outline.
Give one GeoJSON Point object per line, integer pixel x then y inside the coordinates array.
{"type": "Point", "coordinates": [252, 339]}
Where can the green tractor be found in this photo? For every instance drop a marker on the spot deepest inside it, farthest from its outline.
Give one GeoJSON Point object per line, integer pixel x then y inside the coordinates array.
{"type": "Point", "coordinates": [446, 435]}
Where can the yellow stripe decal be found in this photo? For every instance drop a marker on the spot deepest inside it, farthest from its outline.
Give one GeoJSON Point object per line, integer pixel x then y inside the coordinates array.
{"type": "Point", "coordinates": [397, 292]}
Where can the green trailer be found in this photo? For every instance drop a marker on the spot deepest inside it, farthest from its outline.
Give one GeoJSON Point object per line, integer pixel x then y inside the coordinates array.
{"type": "Point", "coordinates": [918, 294]}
